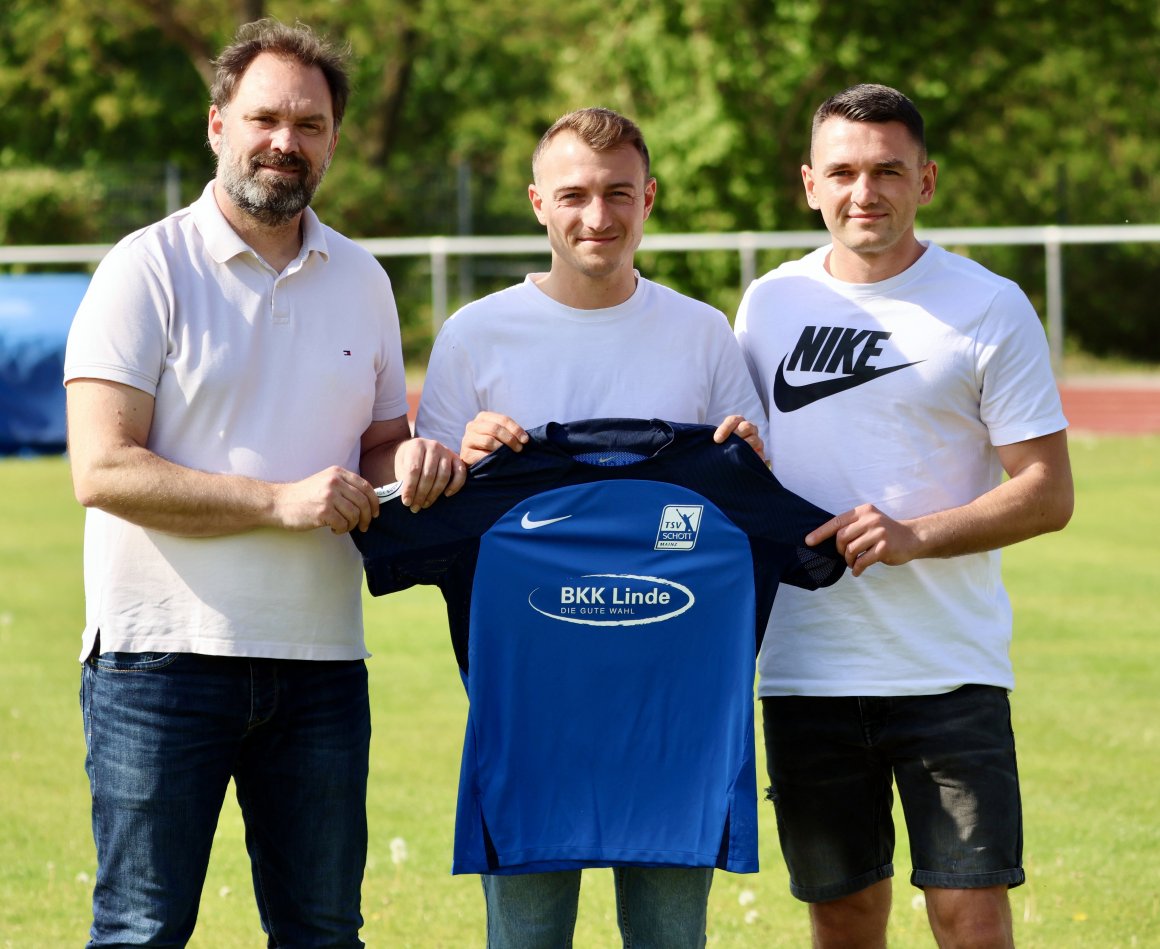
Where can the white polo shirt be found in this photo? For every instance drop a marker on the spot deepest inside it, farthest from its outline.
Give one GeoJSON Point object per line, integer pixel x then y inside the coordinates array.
{"type": "Point", "coordinates": [274, 376]}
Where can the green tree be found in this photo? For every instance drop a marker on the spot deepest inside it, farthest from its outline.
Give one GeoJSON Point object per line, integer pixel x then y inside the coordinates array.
{"type": "Point", "coordinates": [1038, 111]}
{"type": "Point", "coordinates": [81, 85]}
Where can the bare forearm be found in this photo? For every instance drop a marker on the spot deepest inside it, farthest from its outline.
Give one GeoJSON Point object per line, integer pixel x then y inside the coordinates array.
{"type": "Point", "coordinates": [113, 470]}
{"type": "Point", "coordinates": [378, 464]}
{"type": "Point", "coordinates": [145, 489]}
{"type": "Point", "coordinates": [1016, 510]}
{"type": "Point", "coordinates": [1037, 498]}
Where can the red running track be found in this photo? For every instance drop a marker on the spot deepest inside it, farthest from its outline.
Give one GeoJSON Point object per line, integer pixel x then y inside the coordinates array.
{"type": "Point", "coordinates": [1112, 407]}
{"type": "Point", "coordinates": [1099, 407]}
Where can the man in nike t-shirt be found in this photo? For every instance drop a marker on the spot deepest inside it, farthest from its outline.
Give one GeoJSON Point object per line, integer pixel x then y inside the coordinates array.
{"type": "Point", "coordinates": [591, 338]}
{"type": "Point", "coordinates": [902, 382]}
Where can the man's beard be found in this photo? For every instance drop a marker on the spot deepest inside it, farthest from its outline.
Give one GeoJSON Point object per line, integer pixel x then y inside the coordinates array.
{"type": "Point", "coordinates": [268, 198]}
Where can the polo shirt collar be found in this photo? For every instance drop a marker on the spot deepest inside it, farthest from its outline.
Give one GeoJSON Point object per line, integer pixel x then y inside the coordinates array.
{"type": "Point", "coordinates": [224, 243]}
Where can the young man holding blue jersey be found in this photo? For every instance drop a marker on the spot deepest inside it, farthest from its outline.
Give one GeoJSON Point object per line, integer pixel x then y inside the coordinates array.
{"type": "Point", "coordinates": [910, 389]}
{"type": "Point", "coordinates": [590, 338]}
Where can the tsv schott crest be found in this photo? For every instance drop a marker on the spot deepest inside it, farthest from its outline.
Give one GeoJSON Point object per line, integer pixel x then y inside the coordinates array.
{"type": "Point", "coordinates": [680, 524]}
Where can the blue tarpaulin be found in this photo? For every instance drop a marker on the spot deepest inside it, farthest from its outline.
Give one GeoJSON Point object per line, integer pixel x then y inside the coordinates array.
{"type": "Point", "coordinates": [36, 311]}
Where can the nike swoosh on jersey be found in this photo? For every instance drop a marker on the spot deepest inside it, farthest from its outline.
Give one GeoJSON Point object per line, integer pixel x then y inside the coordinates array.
{"type": "Point", "coordinates": [790, 398]}
{"type": "Point", "coordinates": [528, 524]}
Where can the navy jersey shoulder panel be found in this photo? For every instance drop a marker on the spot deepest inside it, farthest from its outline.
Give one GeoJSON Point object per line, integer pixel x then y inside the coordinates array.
{"type": "Point", "coordinates": [440, 544]}
{"type": "Point", "coordinates": [401, 549]}
{"type": "Point", "coordinates": [731, 475]}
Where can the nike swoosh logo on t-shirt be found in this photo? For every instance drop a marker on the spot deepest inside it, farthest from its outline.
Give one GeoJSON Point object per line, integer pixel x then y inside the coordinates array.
{"type": "Point", "coordinates": [528, 524]}
{"type": "Point", "coordinates": [790, 398]}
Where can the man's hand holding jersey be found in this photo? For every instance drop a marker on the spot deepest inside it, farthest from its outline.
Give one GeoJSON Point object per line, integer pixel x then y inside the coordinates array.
{"type": "Point", "coordinates": [743, 429]}
{"type": "Point", "coordinates": [489, 430]}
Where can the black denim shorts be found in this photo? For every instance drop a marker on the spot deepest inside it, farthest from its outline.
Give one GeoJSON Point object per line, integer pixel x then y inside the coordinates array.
{"type": "Point", "coordinates": [832, 762]}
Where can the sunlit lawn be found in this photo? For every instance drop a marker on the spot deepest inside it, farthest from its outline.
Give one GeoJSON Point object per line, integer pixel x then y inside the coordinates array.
{"type": "Point", "coordinates": [1087, 708]}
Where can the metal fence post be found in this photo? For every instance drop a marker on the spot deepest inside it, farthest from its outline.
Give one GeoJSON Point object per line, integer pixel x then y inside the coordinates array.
{"type": "Point", "coordinates": [1053, 249]}
{"type": "Point", "coordinates": [747, 246]}
{"type": "Point", "coordinates": [172, 188]}
{"type": "Point", "coordinates": [438, 283]}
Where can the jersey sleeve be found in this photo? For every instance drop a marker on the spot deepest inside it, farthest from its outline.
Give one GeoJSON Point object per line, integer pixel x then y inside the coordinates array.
{"type": "Point", "coordinates": [438, 546]}
{"type": "Point", "coordinates": [775, 518]}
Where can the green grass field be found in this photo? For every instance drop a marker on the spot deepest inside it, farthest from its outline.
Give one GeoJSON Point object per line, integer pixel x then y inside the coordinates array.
{"type": "Point", "coordinates": [1087, 710]}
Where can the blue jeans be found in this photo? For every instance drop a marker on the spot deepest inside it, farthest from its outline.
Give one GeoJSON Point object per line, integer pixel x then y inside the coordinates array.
{"type": "Point", "coordinates": [656, 908]}
{"type": "Point", "coordinates": [166, 732]}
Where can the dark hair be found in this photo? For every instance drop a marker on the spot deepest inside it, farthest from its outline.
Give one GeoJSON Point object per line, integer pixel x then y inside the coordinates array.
{"type": "Point", "coordinates": [870, 102]}
{"type": "Point", "coordinates": [600, 129]}
{"type": "Point", "coordinates": [292, 42]}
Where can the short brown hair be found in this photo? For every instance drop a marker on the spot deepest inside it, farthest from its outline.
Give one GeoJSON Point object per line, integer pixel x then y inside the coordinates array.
{"type": "Point", "coordinates": [296, 42]}
{"type": "Point", "coordinates": [600, 129]}
{"type": "Point", "coordinates": [871, 102]}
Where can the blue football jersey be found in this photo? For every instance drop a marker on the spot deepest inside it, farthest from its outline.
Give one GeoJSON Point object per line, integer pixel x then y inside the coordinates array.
{"type": "Point", "coordinates": [607, 588]}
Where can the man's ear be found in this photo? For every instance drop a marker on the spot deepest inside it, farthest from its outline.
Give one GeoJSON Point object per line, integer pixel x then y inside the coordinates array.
{"type": "Point", "coordinates": [537, 202]}
{"type": "Point", "coordinates": [808, 183]}
{"type": "Point", "coordinates": [929, 179]}
{"type": "Point", "coordinates": [650, 196]}
{"type": "Point", "coordinates": [214, 128]}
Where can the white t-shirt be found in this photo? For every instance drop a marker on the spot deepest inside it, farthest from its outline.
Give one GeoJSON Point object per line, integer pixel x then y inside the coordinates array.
{"type": "Point", "coordinates": [272, 376]}
{"type": "Point", "coordinates": [895, 393]}
{"type": "Point", "coordinates": [520, 353]}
